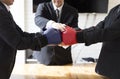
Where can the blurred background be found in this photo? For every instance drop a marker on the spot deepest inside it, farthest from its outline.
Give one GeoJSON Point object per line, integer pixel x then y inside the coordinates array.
{"type": "Point", "coordinates": [90, 13]}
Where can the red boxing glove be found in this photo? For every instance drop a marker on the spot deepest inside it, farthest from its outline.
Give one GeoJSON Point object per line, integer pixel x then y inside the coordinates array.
{"type": "Point", "coordinates": [69, 36]}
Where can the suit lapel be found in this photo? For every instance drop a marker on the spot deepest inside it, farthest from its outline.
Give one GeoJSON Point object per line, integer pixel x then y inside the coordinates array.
{"type": "Point", "coordinates": [117, 13]}
{"type": "Point", "coordinates": [112, 17]}
{"type": "Point", "coordinates": [63, 12]}
{"type": "Point", "coordinates": [5, 9]}
{"type": "Point", "coordinates": [10, 14]}
{"type": "Point", "coordinates": [52, 11]}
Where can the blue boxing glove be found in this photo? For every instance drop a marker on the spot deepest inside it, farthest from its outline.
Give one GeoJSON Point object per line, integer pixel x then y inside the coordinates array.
{"type": "Point", "coordinates": [53, 36]}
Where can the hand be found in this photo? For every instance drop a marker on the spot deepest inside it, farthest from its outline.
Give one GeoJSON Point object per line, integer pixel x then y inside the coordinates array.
{"type": "Point", "coordinates": [69, 36]}
{"type": "Point", "coordinates": [58, 26]}
{"type": "Point", "coordinates": [53, 36]}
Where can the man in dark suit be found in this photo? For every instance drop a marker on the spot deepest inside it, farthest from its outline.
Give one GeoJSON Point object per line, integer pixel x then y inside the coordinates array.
{"type": "Point", "coordinates": [47, 17]}
{"type": "Point", "coordinates": [13, 38]}
{"type": "Point", "coordinates": [108, 32]}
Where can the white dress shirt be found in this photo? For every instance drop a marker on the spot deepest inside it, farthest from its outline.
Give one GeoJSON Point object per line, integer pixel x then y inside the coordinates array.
{"type": "Point", "coordinates": [50, 22]}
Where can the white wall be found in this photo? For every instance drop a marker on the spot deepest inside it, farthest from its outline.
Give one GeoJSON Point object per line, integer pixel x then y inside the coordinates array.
{"type": "Point", "coordinates": [17, 9]}
{"type": "Point", "coordinates": [29, 17]}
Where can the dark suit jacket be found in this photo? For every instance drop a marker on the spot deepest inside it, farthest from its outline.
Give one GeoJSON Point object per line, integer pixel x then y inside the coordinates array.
{"type": "Point", "coordinates": [108, 32]}
{"type": "Point", "coordinates": [69, 16]}
{"type": "Point", "coordinates": [46, 12]}
{"type": "Point", "coordinates": [11, 39]}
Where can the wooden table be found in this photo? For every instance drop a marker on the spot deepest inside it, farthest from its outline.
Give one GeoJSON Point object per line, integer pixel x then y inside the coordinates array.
{"type": "Point", "coordinates": [38, 71]}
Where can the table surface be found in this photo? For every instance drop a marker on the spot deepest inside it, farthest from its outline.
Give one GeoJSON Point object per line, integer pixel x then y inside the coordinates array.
{"type": "Point", "coordinates": [39, 71]}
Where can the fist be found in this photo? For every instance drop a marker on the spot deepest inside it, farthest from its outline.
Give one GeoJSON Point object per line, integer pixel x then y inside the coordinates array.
{"type": "Point", "coordinates": [69, 36]}
{"type": "Point", "coordinates": [53, 36]}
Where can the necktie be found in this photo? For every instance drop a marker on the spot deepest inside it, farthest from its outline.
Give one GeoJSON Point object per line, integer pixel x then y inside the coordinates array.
{"type": "Point", "coordinates": [57, 13]}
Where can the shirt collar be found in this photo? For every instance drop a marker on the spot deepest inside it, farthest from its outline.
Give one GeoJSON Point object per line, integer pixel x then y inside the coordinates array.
{"type": "Point", "coordinates": [8, 7]}
{"type": "Point", "coordinates": [59, 8]}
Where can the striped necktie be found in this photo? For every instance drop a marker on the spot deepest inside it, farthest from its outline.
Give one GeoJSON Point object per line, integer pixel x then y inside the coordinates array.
{"type": "Point", "coordinates": [57, 13]}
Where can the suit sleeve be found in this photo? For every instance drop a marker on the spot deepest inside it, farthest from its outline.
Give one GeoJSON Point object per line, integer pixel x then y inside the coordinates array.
{"type": "Point", "coordinates": [13, 36]}
{"type": "Point", "coordinates": [99, 33]}
{"type": "Point", "coordinates": [40, 14]}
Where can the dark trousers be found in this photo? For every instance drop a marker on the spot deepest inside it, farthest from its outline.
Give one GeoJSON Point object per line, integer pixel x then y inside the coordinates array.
{"type": "Point", "coordinates": [61, 56]}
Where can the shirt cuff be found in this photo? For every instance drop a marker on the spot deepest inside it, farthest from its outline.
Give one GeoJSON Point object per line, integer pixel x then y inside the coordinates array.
{"type": "Point", "coordinates": [49, 24]}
